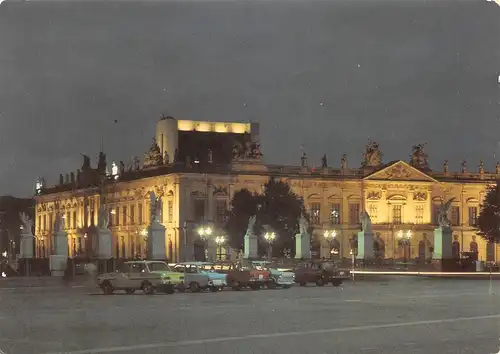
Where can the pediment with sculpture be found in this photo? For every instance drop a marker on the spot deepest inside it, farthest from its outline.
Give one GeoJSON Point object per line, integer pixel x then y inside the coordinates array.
{"type": "Point", "coordinates": [400, 171]}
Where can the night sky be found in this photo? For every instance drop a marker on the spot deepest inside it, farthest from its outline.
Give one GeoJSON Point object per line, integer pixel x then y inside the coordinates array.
{"type": "Point", "coordinates": [322, 75]}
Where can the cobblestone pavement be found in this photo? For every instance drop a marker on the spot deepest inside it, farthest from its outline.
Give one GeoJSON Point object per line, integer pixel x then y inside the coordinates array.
{"type": "Point", "coordinates": [402, 316]}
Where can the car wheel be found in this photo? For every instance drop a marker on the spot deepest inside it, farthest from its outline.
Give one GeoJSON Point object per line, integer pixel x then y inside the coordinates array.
{"type": "Point", "coordinates": [271, 285]}
{"type": "Point", "coordinates": [130, 291]}
{"type": "Point", "coordinates": [221, 288]}
{"type": "Point", "coordinates": [336, 282]}
{"type": "Point", "coordinates": [169, 289]}
{"type": "Point", "coordinates": [107, 288]}
{"type": "Point", "coordinates": [194, 287]}
{"type": "Point", "coordinates": [236, 285]}
{"type": "Point", "coordinates": [303, 284]}
{"type": "Point", "coordinates": [320, 282]}
{"type": "Point", "coordinates": [214, 289]}
{"type": "Point", "coordinates": [148, 288]}
{"type": "Point", "coordinates": [286, 286]}
{"type": "Point", "coordinates": [181, 288]}
{"type": "Point", "coordinates": [254, 286]}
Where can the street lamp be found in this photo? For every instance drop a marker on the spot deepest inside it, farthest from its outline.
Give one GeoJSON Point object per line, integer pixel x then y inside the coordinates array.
{"type": "Point", "coordinates": [330, 237]}
{"type": "Point", "coordinates": [220, 240]}
{"type": "Point", "coordinates": [205, 232]}
{"type": "Point", "coordinates": [270, 237]}
{"type": "Point", "coordinates": [405, 239]}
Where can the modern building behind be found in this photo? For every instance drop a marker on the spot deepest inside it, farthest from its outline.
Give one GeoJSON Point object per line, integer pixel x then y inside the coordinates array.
{"type": "Point", "coordinates": [206, 163]}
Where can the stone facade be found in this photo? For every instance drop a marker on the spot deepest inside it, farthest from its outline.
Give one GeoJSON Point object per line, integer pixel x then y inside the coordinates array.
{"type": "Point", "coordinates": [401, 198]}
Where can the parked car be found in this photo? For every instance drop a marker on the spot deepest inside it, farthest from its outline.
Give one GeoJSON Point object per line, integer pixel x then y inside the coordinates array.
{"type": "Point", "coordinates": [321, 273]}
{"type": "Point", "coordinates": [217, 281]}
{"type": "Point", "coordinates": [283, 278]}
{"type": "Point", "coordinates": [148, 276]}
{"type": "Point", "coordinates": [240, 275]}
{"type": "Point", "coordinates": [195, 279]}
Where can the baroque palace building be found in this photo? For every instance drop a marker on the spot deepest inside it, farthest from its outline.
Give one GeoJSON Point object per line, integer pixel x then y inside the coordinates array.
{"type": "Point", "coordinates": [196, 167]}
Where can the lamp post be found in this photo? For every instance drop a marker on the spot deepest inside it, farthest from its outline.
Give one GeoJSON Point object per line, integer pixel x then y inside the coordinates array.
{"type": "Point", "coordinates": [404, 238]}
{"type": "Point", "coordinates": [205, 232]}
{"type": "Point", "coordinates": [220, 240]}
{"type": "Point", "coordinates": [270, 237]}
{"type": "Point", "coordinates": [330, 237]}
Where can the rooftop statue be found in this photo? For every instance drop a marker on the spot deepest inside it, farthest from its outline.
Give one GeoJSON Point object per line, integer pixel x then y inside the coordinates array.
{"type": "Point", "coordinates": [153, 156]}
{"type": "Point", "coordinates": [418, 157]}
{"type": "Point", "coordinates": [373, 156]}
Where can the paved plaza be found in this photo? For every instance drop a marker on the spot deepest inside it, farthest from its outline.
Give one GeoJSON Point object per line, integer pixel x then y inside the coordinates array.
{"type": "Point", "coordinates": [401, 315]}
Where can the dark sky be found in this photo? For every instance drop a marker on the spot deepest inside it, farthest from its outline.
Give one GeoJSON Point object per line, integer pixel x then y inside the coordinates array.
{"type": "Point", "coordinates": [325, 75]}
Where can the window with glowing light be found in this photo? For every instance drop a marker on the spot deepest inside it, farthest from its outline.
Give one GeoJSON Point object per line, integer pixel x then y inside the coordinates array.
{"type": "Point", "coordinates": [315, 209]}
{"type": "Point", "coordinates": [334, 213]}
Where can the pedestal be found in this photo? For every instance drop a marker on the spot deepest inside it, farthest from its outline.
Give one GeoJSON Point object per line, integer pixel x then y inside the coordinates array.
{"type": "Point", "coordinates": [104, 244]}
{"type": "Point", "coordinates": [61, 244]}
{"type": "Point", "coordinates": [251, 247]}
{"type": "Point", "coordinates": [57, 264]}
{"type": "Point", "coordinates": [302, 246]}
{"type": "Point", "coordinates": [365, 246]}
{"type": "Point", "coordinates": [442, 243]}
{"type": "Point", "coordinates": [27, 246]}
{"type": "Point", "coordinates": [156, 242]}
{"type": "Point", "coordinates": [211, 251]}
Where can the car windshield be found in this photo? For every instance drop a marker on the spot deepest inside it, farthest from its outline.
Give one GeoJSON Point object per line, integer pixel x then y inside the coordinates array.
{"type": "Point", "coordinates": [158, 266]}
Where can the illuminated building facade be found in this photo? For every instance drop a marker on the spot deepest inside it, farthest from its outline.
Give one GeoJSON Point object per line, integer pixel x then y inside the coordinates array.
{"type": "Point", "coordinates": [196, 167]}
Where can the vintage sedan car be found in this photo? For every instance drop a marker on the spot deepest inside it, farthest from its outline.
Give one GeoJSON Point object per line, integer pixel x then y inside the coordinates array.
{"type": "Point", "coordinates": [320, 273]}
{"type": "Point", "coordinates": [148, 276]}
{"type": "Point", "coordinates": [244, 275]}
{"type": "Point", "coordinates": [195, 279]}
{"type": "Point", "coordinates": [283, 278]}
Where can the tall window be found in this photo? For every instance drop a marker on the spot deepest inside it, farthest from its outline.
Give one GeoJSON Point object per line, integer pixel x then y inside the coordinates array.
{"type": "Point", "coordinates": [373, 212]}
{"type": "Point", "coordinates": [220, 211]}
{"type": "Point", "coordinates": [170, 210]}
{"type": "Point", "coordinates": [140, 213]}
{"type": "Point", "coordinates": [455, 215]}
{"type": "Point", "coordinates": [199, 209]}
{"type": "Point", "coordinates": [435, 214]}
{"type": "Point", "coordinates": [124, 218]}
{"type": "Point", "coordinates": [353, 213]}
{"type": "Point", "coordinates": [472, 216]}
{"type": "Point", "coordinates": [40, 221]}
{"type": "Point", "coordinates": [50, 221]}
{"type": "Point", "coordinates": [67, 224]}
{"type": "Point", "coordinates": [419, 214]}
{"type": "Point", "coordinates": [132, 214]}
{"type": "Point", "coordinates": [45, 222]}
{"type": "Point", "coordinates": [315, 213]}
{"type": "Point", "coordinates": [397, 214]}
{"type": "Point", "coordinates": [117, 216]}
{"type": "Point", "coordinates": [334, 213]}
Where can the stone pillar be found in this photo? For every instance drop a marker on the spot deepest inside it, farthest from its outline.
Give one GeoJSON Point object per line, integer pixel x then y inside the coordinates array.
{"type": "Point", "coordinates": [104, 244]}
{"type": "Point", "coordinates": [156, 242]}
{"type": "Point", "coordinates": [302, 246]}
{"type": "Point", "coordinates": [251, 246]}
{"type": "Point", "coordinates": [365, 246]}
{"type": "Point", "coordinates": [442, 257]}
{"type": "Point", "coordinates": [59, 259]}
{"type": "Point", "coordinates": [27, 245]}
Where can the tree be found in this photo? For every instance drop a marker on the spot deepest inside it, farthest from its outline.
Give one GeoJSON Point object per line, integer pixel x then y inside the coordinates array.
{"type": "Point", "coordinates": [243, 205]}
{"type": "Point", "coordinates": [278, 207]}
{"type": "Point", "coordinates": [488, 221]}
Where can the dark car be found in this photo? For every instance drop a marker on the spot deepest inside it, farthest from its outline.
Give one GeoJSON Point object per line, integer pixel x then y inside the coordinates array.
{"type": "Point", "coordinates": [240, 276]}
{"type": "Point", "coordinates": [320, 273]}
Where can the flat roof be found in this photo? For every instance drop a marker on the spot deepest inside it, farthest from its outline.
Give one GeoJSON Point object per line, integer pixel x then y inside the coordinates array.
{"type": "Point", "coordinates": [215, 127]}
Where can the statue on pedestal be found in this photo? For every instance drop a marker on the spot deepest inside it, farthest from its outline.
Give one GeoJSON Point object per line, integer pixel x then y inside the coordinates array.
{"type": "Point", "coordinates": [166, 158]}
{"type": "Point", "coordinates": [251, 224]}
{"type": "Point", "coordinates": [103, 217]}
{"type": "Point", "coordinates": [481, 167]}
{"type": "Point", "coordinates": [366, 222]}
{"type": "Point", "coordinates": [303, 160]}
{"type": "Point", "coordinates": [464, 166]}
{"type": "Point", "coordinates": [443, 220]}
{"type": "Point", "coordinates": [324, 162]}
{"type": "Point", "coordinates": [445, 167]}
{"type": "Point", "coordinates": [27, 223]}
{"type": "Point", "coordinates": [58, 223]}
{"type": "Point", "coordinates": [154, 207]}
